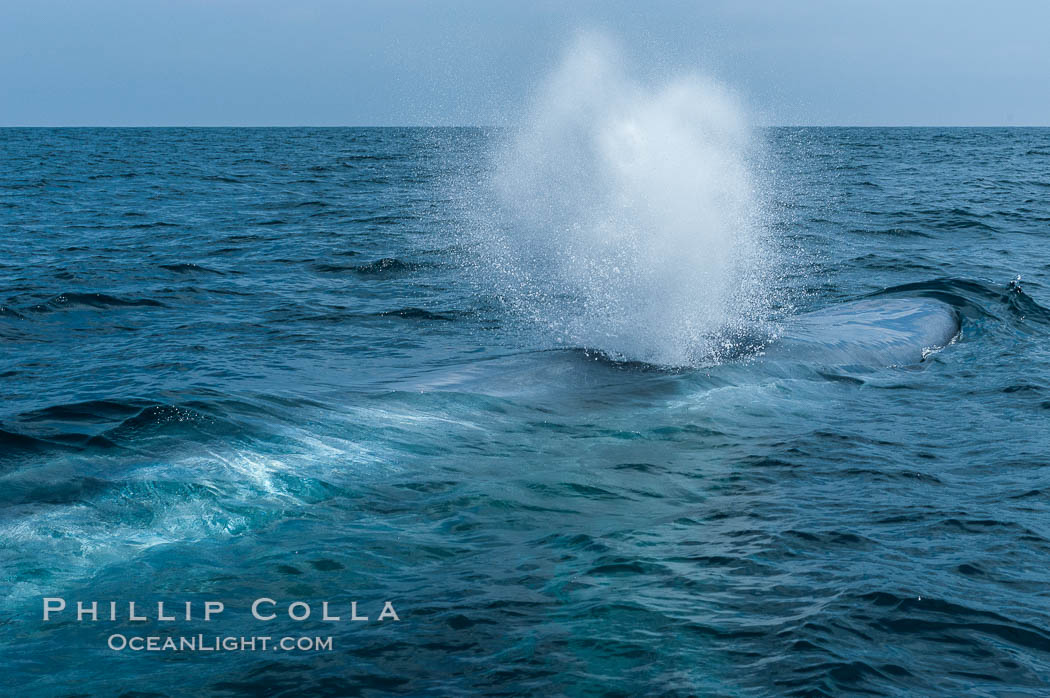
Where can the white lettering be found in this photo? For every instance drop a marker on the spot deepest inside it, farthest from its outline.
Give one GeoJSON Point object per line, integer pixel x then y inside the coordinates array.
{"type": "Point", "coordinates": [324, 612]}
{"type": "Point", "coordinates": [388, 612]}
{"type": "Point", "coordinates": [160, 612]}
{"type": "Point", "coordinates": [255, 609]}
{"type": "Point", "coordinates": [83, 611]}
{"type": "Point", "coordinates": [50, 606]}
{"type": "Point", "coordinates": [211, 607]}
{"type": "Point", "coordinates": [291, 613]}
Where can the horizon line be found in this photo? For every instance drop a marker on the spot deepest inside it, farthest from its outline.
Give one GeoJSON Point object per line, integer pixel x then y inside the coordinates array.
{"type": "Point", "coordinates": [465, 126]}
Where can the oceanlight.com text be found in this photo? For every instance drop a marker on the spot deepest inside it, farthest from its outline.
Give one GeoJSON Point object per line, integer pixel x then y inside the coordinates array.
{"type": "Point", "coordinates": [216, 643]}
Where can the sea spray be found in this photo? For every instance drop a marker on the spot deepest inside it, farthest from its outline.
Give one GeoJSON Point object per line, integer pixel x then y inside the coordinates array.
{"type": "Point", "coordinates": [624, 217]}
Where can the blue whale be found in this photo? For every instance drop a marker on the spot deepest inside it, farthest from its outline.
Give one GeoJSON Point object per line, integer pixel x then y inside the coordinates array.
{"type": "Point", "coordinates": [865, 334]}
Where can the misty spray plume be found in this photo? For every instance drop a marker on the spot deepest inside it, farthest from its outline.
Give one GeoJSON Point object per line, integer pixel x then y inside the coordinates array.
{"type": "Point", "coordinates": [625, 217]}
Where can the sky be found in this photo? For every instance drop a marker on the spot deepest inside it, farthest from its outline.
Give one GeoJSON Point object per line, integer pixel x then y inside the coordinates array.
{"type": "Point", "coordinates": [473, 62]}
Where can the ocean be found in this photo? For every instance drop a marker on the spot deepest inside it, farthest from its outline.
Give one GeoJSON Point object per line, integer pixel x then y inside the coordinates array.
{"type": "Point", "coordinates": [353, 365]}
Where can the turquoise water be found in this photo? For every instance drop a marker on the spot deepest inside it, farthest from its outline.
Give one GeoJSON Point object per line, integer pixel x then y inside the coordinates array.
{"type": "Point", "coordinates": [244, 363]}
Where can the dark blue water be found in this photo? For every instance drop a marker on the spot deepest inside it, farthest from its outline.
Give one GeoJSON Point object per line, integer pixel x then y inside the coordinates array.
{"type": "Point", "coordinates": [255, 363]}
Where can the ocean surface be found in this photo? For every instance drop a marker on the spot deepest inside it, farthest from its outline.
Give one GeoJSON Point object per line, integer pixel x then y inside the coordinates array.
{"type": "Point", "coordinates": [244, 363]}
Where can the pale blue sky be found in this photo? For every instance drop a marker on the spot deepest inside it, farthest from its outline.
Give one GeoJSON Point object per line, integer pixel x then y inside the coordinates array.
{"type": "Point", "coordinates": [394, 62]}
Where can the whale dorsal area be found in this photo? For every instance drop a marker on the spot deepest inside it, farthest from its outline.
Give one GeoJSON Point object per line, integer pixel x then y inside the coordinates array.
{"type": "Point", "coordinates": [874, 332]}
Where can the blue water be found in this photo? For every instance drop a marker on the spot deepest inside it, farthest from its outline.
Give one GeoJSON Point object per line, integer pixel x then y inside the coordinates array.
{"type": "Point", "coordinates": [243, 363]}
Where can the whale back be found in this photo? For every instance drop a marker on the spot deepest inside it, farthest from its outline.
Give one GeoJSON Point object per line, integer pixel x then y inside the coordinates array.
{"type": "Point", "coordinates": [874, 332]}
{"type": "Point", "coordinates": [866, 334]}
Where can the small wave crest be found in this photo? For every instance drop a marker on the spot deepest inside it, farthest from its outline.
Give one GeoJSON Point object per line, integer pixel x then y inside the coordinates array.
{"type": "Point", "coordinates": [69, 301]}
{"type": "Point", "coordinates": [388, 266]}
{"type": "Point", "coordinates": [189, 268]}
{"type": "Point", "coordinates": [977, 300]}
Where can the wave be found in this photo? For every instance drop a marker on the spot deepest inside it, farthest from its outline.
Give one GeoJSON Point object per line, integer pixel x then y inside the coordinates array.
{"type": "Point", "coordinates": [15, 445]}
{"type": "Point", "coordinates": [6, 312]}
{"type": "Point", "coordinates": [415, 314]}
{"type": "Point", "coordinates": [351, 159]}
{"type": "Point", "coordinates": [189, 267]}
{"type": "Point", "coordinates": [388, 266]}
{"type": "Point", "coordinates": [71, 301]}
{"type": "Point", "coordinates": [111, 427]}
{"type": "Point", "coordinates": [155, 224]}
{"type": "Point", "coordinates": [977, 299]}
{"type": "Point", "coordinates": [90, 412]}
{"type": "Point", "coordinates": [381, 219]}
{"type": "Point", "coordinates": [891, 232]}
{"type": "Point", "coordinates": [161, 420]}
